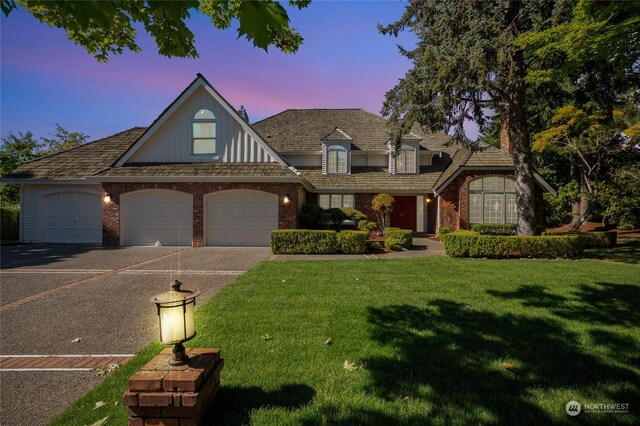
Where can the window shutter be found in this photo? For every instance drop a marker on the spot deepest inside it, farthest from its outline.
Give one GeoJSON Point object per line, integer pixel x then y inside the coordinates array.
{"type": "Point", "coordinates": [418, 159]}
{"type": "Point", "coordinates": [392, 161]}
{"type": "Point", "coordinates": [349, 159]}
{"type": "Point", "coordinates": [324, 159]}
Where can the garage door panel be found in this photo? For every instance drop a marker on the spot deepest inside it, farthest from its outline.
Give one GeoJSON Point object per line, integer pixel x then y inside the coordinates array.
{"type": "Point", "coordinates": [155, 215]}
{"type": "Point", "coordinates": [240, 218]}
{"type": "Point", "coordinates": [72, 217]}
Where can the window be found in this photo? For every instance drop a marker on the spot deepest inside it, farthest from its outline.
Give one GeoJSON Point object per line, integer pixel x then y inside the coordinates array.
{"type": "Point", "coordinates": [492, 199]}
{"type": "Point", "coordinates": [406, 160]}
{"type": "Point", "coordinates": [332, 201]}
{"type": "Point", "coordinates": [204, 133]}
{"type": "Point", "coordinates": [336, 159]}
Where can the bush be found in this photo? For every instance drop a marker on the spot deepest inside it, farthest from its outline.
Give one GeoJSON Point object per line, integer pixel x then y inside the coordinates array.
{"type": "Point", "coordinates": [311, 216]}
{"type": "Point", "coordinates": [468, 245]}
{"type": "Point", "coordinates": [373, 246]}
{"type": "Point", "coordinates": [367, 225]}
{"type": "Point", "coordinates": [303, 241]}
{"type": "Point", "coordinates": [352, 214]}
{"type": "Point", "coordinates": [352, 242]}
{"type": "Point", "coordinates": [591, 239]}
{"type": "Point", "coordinates": [398, 237]}
{"type": "Point", "coordinates": [442, 231]}
{"type": "Point", "coordinates": [10, 222]}
{"type": "Point", "coordinates": [495, 228]}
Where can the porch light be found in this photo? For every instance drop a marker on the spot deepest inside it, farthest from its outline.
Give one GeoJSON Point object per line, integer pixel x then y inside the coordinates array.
{"type": "Point", "coordinates": [177, 321]}
{"type": "Point", "coordinates": [106, 198]}
{"type": "Point", "coordinates": [428, 200]}
{"type": "Point", "coordinates": [286, 199]}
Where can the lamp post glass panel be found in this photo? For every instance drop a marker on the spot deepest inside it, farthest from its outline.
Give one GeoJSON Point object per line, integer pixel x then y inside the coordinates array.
{"type": "Point", "coordinates": [176, 314]}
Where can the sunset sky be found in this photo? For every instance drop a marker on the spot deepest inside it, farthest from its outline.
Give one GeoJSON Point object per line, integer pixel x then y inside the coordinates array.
{"type": "Point", "coordinates": [344, 62]}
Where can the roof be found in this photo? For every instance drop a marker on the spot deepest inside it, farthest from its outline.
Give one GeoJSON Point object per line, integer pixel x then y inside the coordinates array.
{"type": "Point", "coordinates": [198, 170]}
{"type": "Point", "coordinates": [304, 129]}
{"type": "Point", "coordinates": [81, 161]}
{"type": "Point", "coordinates": [337, 135]}
{"type": "Point", "coordinates": [377, 179]}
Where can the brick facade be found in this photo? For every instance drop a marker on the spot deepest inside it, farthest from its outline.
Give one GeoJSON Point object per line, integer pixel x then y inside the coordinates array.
{"type": "Point", "coordinates": [454, 203]}
{"type": "Point", "coordinates": [287, 213]}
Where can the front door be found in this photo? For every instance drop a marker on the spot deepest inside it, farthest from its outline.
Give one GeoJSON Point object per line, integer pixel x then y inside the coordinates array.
{"type": "Point", "coordinates": [404, 213]}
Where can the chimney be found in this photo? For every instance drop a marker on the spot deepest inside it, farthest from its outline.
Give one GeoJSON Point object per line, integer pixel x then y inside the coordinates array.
{"type": "Point", "coordinates": [243, 113]}
{"type": "Point", "coordinates": [505, 139]}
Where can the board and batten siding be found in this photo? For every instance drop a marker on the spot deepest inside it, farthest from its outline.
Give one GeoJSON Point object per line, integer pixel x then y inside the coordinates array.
{"type": "Point", "coordinates": [171, 143]}
{"type": "Point", "coordinates": [31, 209]}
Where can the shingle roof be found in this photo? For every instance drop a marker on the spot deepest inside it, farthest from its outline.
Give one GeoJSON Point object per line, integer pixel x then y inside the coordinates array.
{"type": "Point", "coordinates": [337, 135]}
{"type": "Point", "coordinates": [304, 129]}
{"type": "Point", "coordinates": [198, 169]}
{"type": "Point", "coordinates": [377, 179]}
{"type": "Point", "coordinates": [81, 161]}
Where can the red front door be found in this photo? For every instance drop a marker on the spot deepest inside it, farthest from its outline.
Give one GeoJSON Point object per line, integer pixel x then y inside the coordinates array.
{"type": "Point", "coordinates": [404, 213]}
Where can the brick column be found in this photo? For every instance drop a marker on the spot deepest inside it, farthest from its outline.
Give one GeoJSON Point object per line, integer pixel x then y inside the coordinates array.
{"type": "Point", "coordinates": [111, 219]}
{"type": "Point", "coordinates": [180, 395]}
{"type": "Point", "coordinates": [198, 219]}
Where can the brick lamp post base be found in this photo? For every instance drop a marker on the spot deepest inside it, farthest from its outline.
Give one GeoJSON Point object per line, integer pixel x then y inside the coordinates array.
{"type": "Point", "coordinates": [161, 394]}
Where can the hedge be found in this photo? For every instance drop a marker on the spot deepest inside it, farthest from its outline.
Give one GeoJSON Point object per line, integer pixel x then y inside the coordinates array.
{"type": "Point", "coordinates": [303, 241]}
{"type": "Point", "coordinates": [398, 237]}
{"type": "Point", "coordinates": [352, 242]}
{"type": "Point", "coordinates": [9, 223]}
{"type": "Point", "coordinates": [493, 246]}
{"type": "Point", "coordinates": [591, 239]}
{"type": "Point", "coordinates": [495, 228]}
{"type": "Point", "coordinates": [442, 231]}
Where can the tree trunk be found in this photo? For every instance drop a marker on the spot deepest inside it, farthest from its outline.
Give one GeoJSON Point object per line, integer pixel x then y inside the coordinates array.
{"type": "Point", "coordinates": [517, 122]}
{"type": "Point", "coordinates": [576, 203]}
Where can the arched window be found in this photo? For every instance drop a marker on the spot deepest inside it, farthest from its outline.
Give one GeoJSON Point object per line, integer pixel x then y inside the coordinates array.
{"type": "Point", "coordinates": [336, 159]}
{"type": "Point", "coordinates": [204, 133]}
{"type": "Point", "coordinates": [492, 199]}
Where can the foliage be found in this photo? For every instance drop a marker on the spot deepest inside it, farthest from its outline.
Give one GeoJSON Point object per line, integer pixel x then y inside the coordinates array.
{"type": "Point", "coordinates": [373, 246]}
{"type": "Point", "coordinates": [352, 242]}
{"type": "Point", "coordinates": [18, 148]}
{"type": "Point", "coordinates": [398, 238]}
{"type": "Point", "coordinates": [503, 229]}
{"type": "Point", "coordinates": [10, 222]}
{"type": "Point", "coordinates": [591, 239]}
{"type": "Point", "coordinates": [333, 218]}
{"type": "Point", "coordinates": [367, 225]}
{"type": "Point", "coordinates": [442, 231]}
{"type": "Point", "coordinates": [311, 216]}
{"type": "Point", "coordinates": [558, 209]}
{"type": "Point", "coordinates": [382, 205]}
{"type": "Point", "coordinates": [106, 28]}
{"type": "Point", "coordinates": [302, 241]}
{"type": "Point", "coordinates": [498, 247]}
{"type": "Point", "coordinates": [620, 196]}
{"type": "Point", "coordinates": [596, 142]}
{"type": "Point", "coordinates": [352, 214]}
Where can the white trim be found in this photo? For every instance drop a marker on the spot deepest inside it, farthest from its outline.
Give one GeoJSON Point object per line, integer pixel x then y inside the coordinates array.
{"type": "Point", "coordinates": [544, 184]}
{"type": "Point", "coordinates": [438, 215]}
{"type": "Point", "coordinates": [21, 215]}
{"type": "Point", "coordinates": [420, 212]}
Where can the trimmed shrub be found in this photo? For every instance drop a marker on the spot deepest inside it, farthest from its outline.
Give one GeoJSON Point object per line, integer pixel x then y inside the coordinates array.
{"type": "Point", "coordinates": [311, 216]}
{"type": "Point", "coordinates": [352, 242]}
{"type": "Point", "coordinates": [442, 231]}
{"type": "Point", "coordinates": [367, 225]}
{"type": "Point", "coordinates": [303, 241]}
{"type": "Point", "coordinates": [398, 237]}
{"type": "Point", "coordinates": [495, 228]}
{"type": "Point", "coordinates": [373, 246]}
{"type": "Point", "coordinates": [468, 245]}
{"type": "Point", "coordinates": [591, 239]}
{"type": "Point", "coordinates": [352, 214]}
{"type": "Point", "coordinates": [10, 222]}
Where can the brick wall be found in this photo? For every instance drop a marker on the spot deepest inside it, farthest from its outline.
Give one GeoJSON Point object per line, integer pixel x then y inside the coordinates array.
{"type": "Point", "coordinates": [287, 213]}
{"type": "Point", "coordinates": [454, 205]}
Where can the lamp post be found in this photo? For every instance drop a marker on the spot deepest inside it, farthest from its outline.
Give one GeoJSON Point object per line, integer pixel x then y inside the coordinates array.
{"type": "Point", "coordinates": [177, 320]}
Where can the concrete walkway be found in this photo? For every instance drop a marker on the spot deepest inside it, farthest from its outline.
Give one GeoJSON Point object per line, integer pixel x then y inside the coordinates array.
{"type": "Point", "coordinates": [422, 247]}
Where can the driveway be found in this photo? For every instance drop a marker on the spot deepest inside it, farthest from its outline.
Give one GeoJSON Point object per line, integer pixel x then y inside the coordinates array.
{"type": "Point", "coordinates": [52, 295]}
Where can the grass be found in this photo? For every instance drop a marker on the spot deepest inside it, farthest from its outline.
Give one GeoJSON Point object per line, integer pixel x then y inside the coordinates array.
{"type": "Point", "coordinates": [426, 341]}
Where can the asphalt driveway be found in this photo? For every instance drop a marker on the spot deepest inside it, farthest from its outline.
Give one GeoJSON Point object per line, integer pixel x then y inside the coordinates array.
{"type": "Point", "coordinates": [51, 295]}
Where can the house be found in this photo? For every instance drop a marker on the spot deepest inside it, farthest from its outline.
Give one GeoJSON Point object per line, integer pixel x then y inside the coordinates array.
{"type": "Point", "coordinates": [200, 174]}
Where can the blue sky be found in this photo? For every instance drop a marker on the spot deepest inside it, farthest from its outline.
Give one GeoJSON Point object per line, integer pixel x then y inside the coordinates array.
{"type": "Point", "coordinates": [344, 62]}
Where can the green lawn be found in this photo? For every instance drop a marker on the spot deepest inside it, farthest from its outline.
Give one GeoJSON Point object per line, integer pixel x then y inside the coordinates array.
{"type": "Point", "coordinates": [433, 341]}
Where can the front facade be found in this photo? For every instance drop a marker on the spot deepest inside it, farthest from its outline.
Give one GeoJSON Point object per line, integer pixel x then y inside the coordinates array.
{"type": "Point", "coordinates": [201, 175]}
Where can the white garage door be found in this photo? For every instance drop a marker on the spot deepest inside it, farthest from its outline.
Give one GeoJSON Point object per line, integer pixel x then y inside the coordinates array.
{"type": "Point", "coordinates": [72, 217]}
{"type": "Point", "coordinates": [240, 218]}
{"type": "Point", "coordinates": [155, 215]}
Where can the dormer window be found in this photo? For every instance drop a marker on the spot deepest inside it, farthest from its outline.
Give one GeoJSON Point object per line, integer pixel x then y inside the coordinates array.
{"type": "Point", "coordinates": [204, 133]}
{"type": "Point", "coordinates": [337, 159]}
{"type": "Point", "coordinates": [406, 160]}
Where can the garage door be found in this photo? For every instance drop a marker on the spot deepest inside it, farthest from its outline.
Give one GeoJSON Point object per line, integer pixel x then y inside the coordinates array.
{"type": "Point", "coordinates": [240, 218]}
{"type": "Point", "coordinates": [153, 215]}
{"type": "Point", "coordinates": [72, 217]}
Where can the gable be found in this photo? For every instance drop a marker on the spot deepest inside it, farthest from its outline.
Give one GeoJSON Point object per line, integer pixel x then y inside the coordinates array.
{"type": "Point", "coordinates": [170, 137]}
